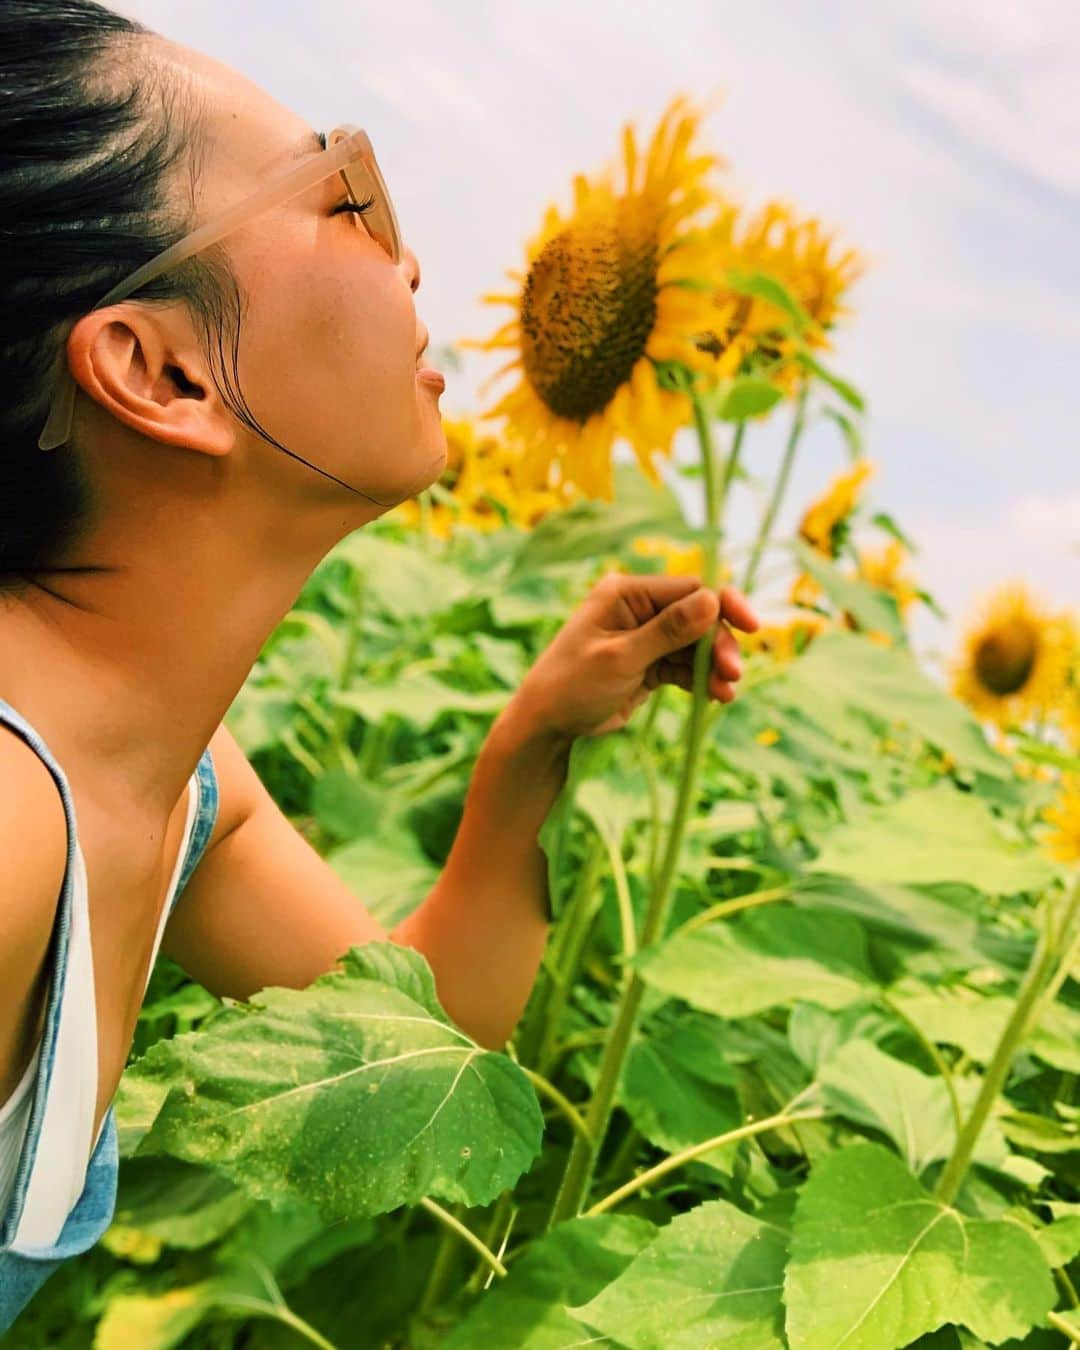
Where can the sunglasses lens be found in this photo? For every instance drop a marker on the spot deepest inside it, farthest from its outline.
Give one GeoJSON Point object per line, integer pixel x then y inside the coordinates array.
{"type": "Point", "coordinates": [365, 181]}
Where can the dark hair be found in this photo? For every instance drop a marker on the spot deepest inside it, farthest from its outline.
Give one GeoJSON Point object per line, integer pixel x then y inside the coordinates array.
{"type": "Point", "coordinates": [87, 144]}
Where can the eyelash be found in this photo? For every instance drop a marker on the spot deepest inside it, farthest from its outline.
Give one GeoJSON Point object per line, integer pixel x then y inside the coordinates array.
{"type": "Point", "coordinates": [359, 208]}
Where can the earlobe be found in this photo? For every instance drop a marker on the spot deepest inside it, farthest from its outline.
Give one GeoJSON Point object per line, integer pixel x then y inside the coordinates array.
{"type": "Point", "coordinates": [128, 370]}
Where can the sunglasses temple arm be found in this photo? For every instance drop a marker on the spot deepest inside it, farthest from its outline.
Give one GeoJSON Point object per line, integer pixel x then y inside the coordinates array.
{"type": "Point", "coordinates": [58, 426]}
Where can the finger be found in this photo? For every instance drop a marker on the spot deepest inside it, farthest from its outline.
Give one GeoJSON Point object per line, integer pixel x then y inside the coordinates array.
{"type": "Point", "coordinates": [720, 688]}
{"type": "Point", "coordinates": [736, 610]}
{"type": "Point", "coordinates": [726, 656]}
{"type": "Point", "coordinates": [681, 622]}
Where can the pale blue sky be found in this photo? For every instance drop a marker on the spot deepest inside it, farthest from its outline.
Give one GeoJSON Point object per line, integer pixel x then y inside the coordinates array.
{"type": "Point", "coordinates": [942, 137]}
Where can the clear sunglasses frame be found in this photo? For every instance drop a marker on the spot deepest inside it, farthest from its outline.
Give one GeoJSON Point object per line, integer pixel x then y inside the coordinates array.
{"type": "Point", "coordinates": [348, 152]}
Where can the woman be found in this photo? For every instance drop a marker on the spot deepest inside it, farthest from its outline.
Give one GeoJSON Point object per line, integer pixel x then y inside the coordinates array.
{"type": "Point", "coordinates": [145, 559]}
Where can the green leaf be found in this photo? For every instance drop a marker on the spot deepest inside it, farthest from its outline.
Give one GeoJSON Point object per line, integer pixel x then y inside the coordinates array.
{"type": "Point", "coordinates": [357, 1094]}
{"type": "Point", "coordinates": [876, 1261]}
{"type": "Point", "coordinates": [872, 1088]}
{"type": "Point", "coordinates": [1059, 1241]}
{"type": "Point", "coordinates": [570, 1264]}
{"type": "Point", "coordinates": [346, 806]}
{"type": "Point", "coordinates": [594, 529]}
{"type": "Point", "coordinates": [388, 872]}
{"type": "Point", "coordinates": [155, 1321]}
{"type": "Point", "coordinates": [850, 429]}
{"type": "Point", "coordinates": [712, 1278]}
{"type": "Point", "coordinates": [743, 397]}
{"type": "Point", "coordinates": [187, 1207]}
{"type": "Point", "coordinates": [885, 522]}
{"type": "Point", "coordinates": [842, 673]}
{"type": "Point", "coordinates": [677, 1088]}
{"type": "Point", "coordinates": [959, 839]}
{"type": "Point", "coordinates": [872, 608]}
{"type": "Point", "coordinates": [418, 699]}
{"type": "Point", "coordinates": [761, 959]}
{"type": "Point", "coordinates": [403, 581]}
{"type": "Point", "coordinates": [975, 1021]}
{"type": "Point", "coordinates": [764, 286]}
{"type": "Point", "coordinates": [847, 392]}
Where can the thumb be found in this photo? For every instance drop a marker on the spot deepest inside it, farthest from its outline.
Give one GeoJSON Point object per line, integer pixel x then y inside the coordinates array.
{"type": "Point", "coordinates": [677, 625]}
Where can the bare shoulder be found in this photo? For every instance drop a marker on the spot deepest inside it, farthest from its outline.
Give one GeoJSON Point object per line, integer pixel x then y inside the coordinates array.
{"type": "Point", "coordinates": [33, 844]}
{"type": "Point", "coordinates": [240, 789]}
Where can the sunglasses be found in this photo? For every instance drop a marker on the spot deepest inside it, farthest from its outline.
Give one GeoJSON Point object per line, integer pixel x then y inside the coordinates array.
{"type": "Point", "coordinates": [348, 152]}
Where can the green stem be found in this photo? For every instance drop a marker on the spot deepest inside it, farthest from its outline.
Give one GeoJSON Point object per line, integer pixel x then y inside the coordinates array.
{"type": "Point", "coordinates": [454, 1225]}
{"type": "Point", "coordinates": [725, 907]}
{"type": "Point", "coordinates": [1065, 1327]}
{"type": "Point", "coordinates": [1029, 1004]}
{"type": "Point", "coordinates": [339, 743]}
{"type": "Point", "coordinates": [686, 1155]}
{"type": "Point", "coordinates": [565, 1105]}
{"type": "Point", "coordinates": [547, 1008]}
{"type": "Point", "coordinates": [779, 488]}
{"type": "Point", "coordinates": [622, 894]}
{"type": "Point", "coordinates": [582, 1160]}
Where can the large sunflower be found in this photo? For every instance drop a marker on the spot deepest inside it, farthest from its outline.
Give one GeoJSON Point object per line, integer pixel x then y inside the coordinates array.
{"type": "Point", "coordinates": [620, 283]}
{"type": "Point", "coordinates": [1015, 660]}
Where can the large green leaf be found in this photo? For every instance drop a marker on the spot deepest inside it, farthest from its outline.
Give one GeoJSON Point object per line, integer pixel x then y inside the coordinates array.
{"type": "Point", "coordinates": [404, 581]}
{"type": "Point", "coordinates": [712, 1278]}
{"type": "Point", "coordinates": [873, 608]}
{"type": "Point", "coordinates": [678, 1089]}
{"type": "Point", "coordinates": [570, 1264]}
{"type": "Point", "coordinates": [975, 1021]}
{"type": "Point", "coordinates": [842, 672]}
{"type": "Point", "coordinates": [184, 1206]}
{"type": "Point", "coordinates": [417, 698]}
{"type": "Point", "coordinates": [958, 839]}
{"type": "Point", "coordinates": [876, 1261]}
{"type": "Point", "coordinates": [390, 873]}
{"type": "Point", "coordinates": [760, 959]}
{"type": "Point", "coordinates": [357, 1094]}
{"type": "Point", "coordinates": [872, 1088]}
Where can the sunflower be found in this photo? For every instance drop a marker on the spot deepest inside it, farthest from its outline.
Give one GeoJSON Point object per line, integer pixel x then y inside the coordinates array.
{"type": "Point", "coordinates": [825, 525]}
{"type": "Point", "coordinates": [783, 641]}
{"type": "Point", "coordinates": [678, 561]}
{"type": "Point", "coordinates": [799, 254]}
{"type": "Point", "coordinates": [1064, 842]}
{"type": "Point", "coordinates": [884, 570]}
{"type": "Point", "coordinates": [1015, 659]}
{"type": "Point", "coordinates": [613, 289]}
{"type": "Point", "coordinates": [484, 478]}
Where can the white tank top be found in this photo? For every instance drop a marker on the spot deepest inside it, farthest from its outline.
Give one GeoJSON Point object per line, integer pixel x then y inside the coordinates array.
{"type": "Point", "coordinates": [68, 1139]}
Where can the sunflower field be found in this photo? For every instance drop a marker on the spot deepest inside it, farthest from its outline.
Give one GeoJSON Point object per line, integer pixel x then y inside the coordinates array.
{"type": "Point", "coordinates": [800, 1065]}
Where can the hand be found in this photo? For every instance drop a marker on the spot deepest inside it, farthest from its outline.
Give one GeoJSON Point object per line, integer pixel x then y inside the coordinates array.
{"type": "Point", "coordinates": [629, 634]}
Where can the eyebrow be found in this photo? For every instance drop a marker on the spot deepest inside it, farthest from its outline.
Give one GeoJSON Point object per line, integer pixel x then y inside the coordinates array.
{"type": "Point", "coordinates": [314, 140]}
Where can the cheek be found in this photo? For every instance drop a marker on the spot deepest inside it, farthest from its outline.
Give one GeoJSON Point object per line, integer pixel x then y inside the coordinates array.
{"type": "Point", "coordinates": [330, 344]}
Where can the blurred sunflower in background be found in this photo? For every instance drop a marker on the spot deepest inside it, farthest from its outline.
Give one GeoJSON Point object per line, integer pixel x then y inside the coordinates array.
{"type": "Point", "coordinates": [784, 641]}
{"type": "Point", "coordinates": [1063, 840]}
{"type": "Point", "coordinates": [825, 524]}
{"type": "Point", "coordinates": [884, 569]}
{"type": "Point", "coordinates": [754, 333]}
{"type": "Point", "coordinates": [612, 289]}
{"type": "Point", "coordinates": [484, 486]}
{"type": "Point", "coordinates": [1016, 659]}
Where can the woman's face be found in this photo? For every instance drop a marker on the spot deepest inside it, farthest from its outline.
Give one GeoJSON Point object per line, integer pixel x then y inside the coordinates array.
{"type": "Point", "coordinates": [330, 336]}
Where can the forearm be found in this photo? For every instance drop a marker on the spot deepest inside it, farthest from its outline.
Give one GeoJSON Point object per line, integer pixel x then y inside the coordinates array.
{"type": "Point", "coordinates": [483, 926]}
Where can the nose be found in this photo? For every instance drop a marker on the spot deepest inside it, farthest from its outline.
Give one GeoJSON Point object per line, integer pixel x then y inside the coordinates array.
{"type": "Point", "coordinates": [410, 266]}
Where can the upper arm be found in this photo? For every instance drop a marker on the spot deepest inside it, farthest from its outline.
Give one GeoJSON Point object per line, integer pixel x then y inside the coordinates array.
{"type": "Point", "coordinates": [33, 845]}
{"type": "Point", "coordinates": [261, 907]}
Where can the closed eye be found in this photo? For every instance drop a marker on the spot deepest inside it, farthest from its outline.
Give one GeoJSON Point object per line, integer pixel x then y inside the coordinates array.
{"type": "Point", "coordinates": [358, 208]}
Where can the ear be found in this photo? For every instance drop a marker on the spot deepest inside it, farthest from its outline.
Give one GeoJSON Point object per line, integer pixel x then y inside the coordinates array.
{"type": "Point", "coordinates": [151, 379]}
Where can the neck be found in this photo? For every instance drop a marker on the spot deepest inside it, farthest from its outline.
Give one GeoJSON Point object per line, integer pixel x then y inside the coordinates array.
{"type": "Point", "coordinates": [132, 668]}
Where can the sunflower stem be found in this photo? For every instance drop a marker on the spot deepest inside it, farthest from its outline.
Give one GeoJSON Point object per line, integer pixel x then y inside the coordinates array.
{"type": "Point", "coordinates": [583, 1153]}
{"type": "Point", "coordinates": [779, 488]}
{"type": "Point", "coordinates": [1041, 978]}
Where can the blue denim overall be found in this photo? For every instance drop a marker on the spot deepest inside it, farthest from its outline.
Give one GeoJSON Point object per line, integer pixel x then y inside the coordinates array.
{"type": "Point", "coordinates": [23, 1272]}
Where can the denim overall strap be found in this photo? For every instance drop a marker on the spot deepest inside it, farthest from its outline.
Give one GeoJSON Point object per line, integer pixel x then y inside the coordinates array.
{"type": "Point", "coordinates": [24, 1271]}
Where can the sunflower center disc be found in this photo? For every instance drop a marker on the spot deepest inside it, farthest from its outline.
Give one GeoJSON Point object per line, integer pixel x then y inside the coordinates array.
{"type": "Point", "coordinates": [1004, 659]}
{"type": "Point", "coordinates": [588, 307]}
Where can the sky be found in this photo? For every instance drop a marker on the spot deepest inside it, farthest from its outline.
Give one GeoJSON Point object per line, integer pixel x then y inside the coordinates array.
{"type": "Point", "coordinates": [939, 137]}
